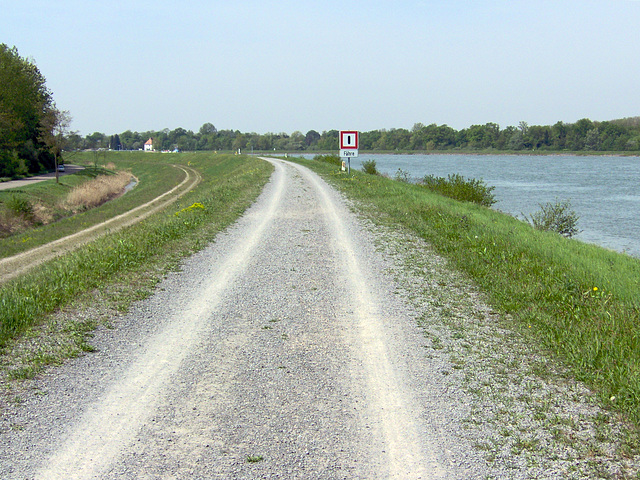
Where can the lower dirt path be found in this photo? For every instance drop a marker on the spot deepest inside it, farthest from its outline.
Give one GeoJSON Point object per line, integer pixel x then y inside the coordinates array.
{"type": "Point", "coordinates": [280, 351]}
{"type": "Point", "coordinates": [16, 265]}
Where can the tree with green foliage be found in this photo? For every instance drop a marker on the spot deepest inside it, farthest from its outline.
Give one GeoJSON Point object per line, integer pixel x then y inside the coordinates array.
{"type": "Point", "coordinates": [584, 135]}
{"type": "Point", "coordinates": [53, 133]}
{"type": "Point", "coordinates": [115, 143]}
{"type": "Point", "coordinates": [25, 105]}
{"type": "Point", "coordinates": [311, 138]}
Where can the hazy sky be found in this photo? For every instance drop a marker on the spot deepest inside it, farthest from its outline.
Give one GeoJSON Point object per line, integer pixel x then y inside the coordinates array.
{"type": "Point", "coordinates": [287, 65]}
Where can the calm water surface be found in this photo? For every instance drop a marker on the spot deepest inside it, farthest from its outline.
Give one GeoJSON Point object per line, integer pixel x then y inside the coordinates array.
{"type": "Point", "coordinates": [604, 191]}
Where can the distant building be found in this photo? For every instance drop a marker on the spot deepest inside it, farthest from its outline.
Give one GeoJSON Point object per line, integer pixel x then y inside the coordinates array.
{"type": "Point", "coordinates": [148, 145]}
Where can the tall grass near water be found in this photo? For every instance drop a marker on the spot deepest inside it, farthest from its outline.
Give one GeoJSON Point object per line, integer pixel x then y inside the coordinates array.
{"type": "Point", "coordinates": [580, 301]}
{"type": "Point", "coordinates": [97, 191]}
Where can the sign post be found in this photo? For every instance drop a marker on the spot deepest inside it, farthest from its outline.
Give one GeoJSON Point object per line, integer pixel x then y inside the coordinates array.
{"type": "Point", "coordinates": [349, 140]}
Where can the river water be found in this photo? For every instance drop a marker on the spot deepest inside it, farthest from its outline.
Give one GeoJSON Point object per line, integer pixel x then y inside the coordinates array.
{"type": "Point", "coordinates": [603, 191]}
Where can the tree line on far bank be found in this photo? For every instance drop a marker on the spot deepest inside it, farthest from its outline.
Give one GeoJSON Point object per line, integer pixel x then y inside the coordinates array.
{"type": "Point", "coordinates": [33, 132]}
{"type": "Point", "coordinates": [621, 135]}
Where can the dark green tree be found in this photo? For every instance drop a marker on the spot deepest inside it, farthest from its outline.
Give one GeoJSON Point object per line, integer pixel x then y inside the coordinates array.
{"type": "Point", "coordinates": [114, 142]}
{"type": "Point", "coordinates": [311, 138]}
{"type": "Point", "coordinates": [25, 101]}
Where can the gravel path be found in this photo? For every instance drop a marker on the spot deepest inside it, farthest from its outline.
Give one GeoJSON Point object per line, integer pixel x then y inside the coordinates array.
{"type": "Point", "coordinates": [287, 349]}
{"type": "Point", "coordinates": [69, 169]}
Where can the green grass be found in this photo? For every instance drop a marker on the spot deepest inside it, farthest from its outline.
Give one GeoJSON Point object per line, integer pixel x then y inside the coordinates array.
{"type": "Point", "coordinates": [119, 261]}
{"type": "Point", "coordinates": [581, 302]}
{"type": "Point", "coordinates": [155, 178]}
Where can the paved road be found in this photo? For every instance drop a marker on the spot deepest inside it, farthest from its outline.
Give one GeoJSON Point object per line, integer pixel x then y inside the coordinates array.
{"type": "Point", "coordinates": [69, 169]}
{"type": "Point", "coordinates": [280, 351]}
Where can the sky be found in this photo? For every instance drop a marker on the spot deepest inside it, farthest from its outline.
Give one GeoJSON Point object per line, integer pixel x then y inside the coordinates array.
{"type": "Point", "coordinates": [285, 66]}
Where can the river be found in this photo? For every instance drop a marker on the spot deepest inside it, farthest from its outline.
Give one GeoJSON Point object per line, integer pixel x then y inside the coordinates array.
{"type": "Point", "coordinates": [603, 191]}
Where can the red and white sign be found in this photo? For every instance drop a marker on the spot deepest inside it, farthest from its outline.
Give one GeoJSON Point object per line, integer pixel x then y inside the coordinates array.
{"type": "Point", "coordinates": [348, 143]}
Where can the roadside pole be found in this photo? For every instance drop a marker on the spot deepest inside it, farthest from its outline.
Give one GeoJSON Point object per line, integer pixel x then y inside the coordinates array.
{"type": "Point", "coordinates": [349, 140]}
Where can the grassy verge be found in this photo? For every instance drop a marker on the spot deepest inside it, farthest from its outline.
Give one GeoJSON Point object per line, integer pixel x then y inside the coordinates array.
{"type": "Point", "coordinates": [154, 178]}
{"type": "Point", "coordinates": [581, 302]}
{"type": "Point", "coordinates": [130, 262]}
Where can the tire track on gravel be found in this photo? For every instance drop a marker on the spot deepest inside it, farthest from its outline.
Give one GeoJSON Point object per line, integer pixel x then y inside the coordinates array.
{"type": "Point", "coordinates": [390, 399]}
{"type": "Point", "coordinates": [113, 423]}
{"type": "Point", "coordinates": [12, 267]}
{"type": "Point", "coordinates": [281, 342]}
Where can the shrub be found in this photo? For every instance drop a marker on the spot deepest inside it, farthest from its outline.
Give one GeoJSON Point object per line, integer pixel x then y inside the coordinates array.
{"type": "Point", "coordinates": [556, 217]}
{"type": "Point", "coordinates": [20, 207]}
{"type": "Point", "coordinates": [9, 223]}
{"type": "Point", "coordinates": [402, 176]}
{"type": "Point", "coordinates": [459, 188]}
{"type": "Point", "coordinates": [369, 166]}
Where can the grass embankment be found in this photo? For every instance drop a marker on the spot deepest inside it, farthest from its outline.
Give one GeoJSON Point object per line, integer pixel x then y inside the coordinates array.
{"type": "Point", "coordinates": [63, 219]}
{"type": "Point", "coordinates": [582, 302]}
{"type": "Point", "coordinates": [125, 265]}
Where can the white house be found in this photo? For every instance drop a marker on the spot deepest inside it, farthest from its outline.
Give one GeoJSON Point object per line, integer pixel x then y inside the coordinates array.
{"type": "Point", "coordinates": [148, 145]}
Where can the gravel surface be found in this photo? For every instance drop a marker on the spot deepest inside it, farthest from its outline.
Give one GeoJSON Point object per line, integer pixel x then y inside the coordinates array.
{"type": "Point", "coordinates": [308, 343]}
{"type": "Point", "coordinates": [69, 169]}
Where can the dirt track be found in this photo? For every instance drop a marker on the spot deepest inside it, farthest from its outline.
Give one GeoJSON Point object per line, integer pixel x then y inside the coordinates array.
{"type": "Point", "coordinates": [12, 267]}
{"type": "Point", "coordinates": [289, 348]}
{"type": "Point", "coordinates": [281, 343]}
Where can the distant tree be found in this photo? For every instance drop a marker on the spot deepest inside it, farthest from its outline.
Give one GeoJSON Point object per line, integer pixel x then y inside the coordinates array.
{"type": "Point", "coordinates": [131, 140]}
{"type": "Point", "coordinates": [74, 141]}
{"type": "Point", "coordinates": [538, 137]}
{"type": "Point", "coordinates": [559, 135]}
{"type": "Point", "coordinates": [311, 138]}
{"type": "Point", "coordinates": [239, 142]}
{"type": "Point", "coordinates": [524, 127]}
{"type": "Point", "coordinates": [516, 140]}
{"type": "Point", "coordinates": [96, 140]}
{"type": "Point", "coordinates": [264, 142]}
{"type": "Point", "coordinates": [592, 139]}
{"type": "Point", "coordinates": [207, 129]}
{"type": "Point", "coordinates": [329, 140]}
{"type": "Point", "coordinates": [482, 136]}
{"type": "Point", "coordinates": [582, 126]}
{"type": "Point", "coordinates": [504, 136]}
{"type": "Point", "coordinates": [366, 142]}
{"type": "Point", "coordinates": [394, 139]}
{"type": "Point", "coordinates": [114, 142]}
{"type": "Point", "coordinates": [610, 135]}
{"type": "Point", "coordinates": [443, 136]}
{"type": "Point", "coordinates": [296, 141]}
{"type": "Point", "coordinates": [613, 136]}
